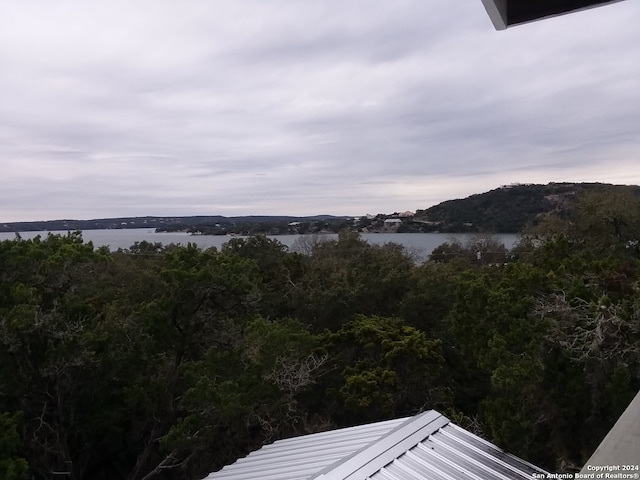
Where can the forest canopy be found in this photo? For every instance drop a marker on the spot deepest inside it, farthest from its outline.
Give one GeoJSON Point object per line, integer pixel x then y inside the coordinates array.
{"type": "Point", "coordinates": [168, 362]}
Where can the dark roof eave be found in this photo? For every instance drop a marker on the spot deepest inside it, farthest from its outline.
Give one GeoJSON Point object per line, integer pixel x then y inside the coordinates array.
{"type": "Point", "coordinates": [508, 13]}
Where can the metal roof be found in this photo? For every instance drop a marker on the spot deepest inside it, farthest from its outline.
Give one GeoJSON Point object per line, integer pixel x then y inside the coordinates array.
{"type": "Point", "coordinates": [299, 458]}
{"type": "Point", "coordinates": [427, 446]}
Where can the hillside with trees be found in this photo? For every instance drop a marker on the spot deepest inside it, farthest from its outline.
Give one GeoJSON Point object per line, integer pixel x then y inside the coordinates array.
{"type": "Point", "coordinates": [510, 208]}
{"type": "Point", "coordinates": [164, 362]}
{"type": "Point", "coordinates": [507, 209]}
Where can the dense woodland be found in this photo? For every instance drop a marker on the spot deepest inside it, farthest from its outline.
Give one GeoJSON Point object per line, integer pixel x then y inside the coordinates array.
{"type": "Point", "coordinates": [166, 362]}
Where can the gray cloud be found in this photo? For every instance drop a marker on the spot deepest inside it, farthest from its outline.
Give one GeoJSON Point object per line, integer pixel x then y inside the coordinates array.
{"type": "Point", "coordinates": [167, 108]}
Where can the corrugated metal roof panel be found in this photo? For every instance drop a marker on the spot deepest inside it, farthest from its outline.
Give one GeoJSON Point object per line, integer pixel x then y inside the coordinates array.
{"type": "Point", "coordinates": [299, 458]}
{"type": "Point", "coordinates": [453, 453]}
{"type": "Point", "coordinates": [425, 447]}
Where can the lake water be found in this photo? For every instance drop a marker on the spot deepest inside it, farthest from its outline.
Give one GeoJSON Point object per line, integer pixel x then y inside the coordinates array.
{"type": "Point", "coordinates": [422, 244]}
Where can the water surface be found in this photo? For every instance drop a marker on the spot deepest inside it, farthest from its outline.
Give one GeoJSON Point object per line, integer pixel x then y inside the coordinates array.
{"type": "Point", "coordinates": [422, 244]}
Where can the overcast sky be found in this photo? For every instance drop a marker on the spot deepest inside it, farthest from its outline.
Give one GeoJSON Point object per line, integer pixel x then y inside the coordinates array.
{"type": "Point", "coordinates": [191, 107]}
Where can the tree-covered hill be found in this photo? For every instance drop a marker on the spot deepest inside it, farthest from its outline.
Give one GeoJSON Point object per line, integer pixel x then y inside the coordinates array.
{"type": "Point", "coordinates": [510, 208]}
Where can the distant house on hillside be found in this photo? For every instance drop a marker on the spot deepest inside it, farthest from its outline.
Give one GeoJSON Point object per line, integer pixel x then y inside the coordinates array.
{"type": "Point", "coordinates": [392, 224]}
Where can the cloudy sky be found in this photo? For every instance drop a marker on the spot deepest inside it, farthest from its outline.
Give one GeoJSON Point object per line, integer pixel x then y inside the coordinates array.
{"type": "Point", "coordinates": [154, 107]}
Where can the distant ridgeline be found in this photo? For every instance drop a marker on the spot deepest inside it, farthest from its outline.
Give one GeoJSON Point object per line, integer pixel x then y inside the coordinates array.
{"type": "Point", "coordinates": [507, 209]}
{"type": "Point", "coordinates": [215, 224]}
{"type": "Point", "coordinates": [510, 208]}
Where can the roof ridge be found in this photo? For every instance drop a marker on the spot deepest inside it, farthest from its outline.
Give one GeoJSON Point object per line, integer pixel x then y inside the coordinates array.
{"type": "Point", "coordinates": [380, 452]}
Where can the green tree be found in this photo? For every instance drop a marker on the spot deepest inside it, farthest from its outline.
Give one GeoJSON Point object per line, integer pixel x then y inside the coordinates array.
{"type": "Point", "coordinates": [499, 342]}
{"type": "Point", "coordinates": [12, 466]}
{"type": "Point", "coordinates": [479, 249]}
{"type": "Point", "coordinates": [598, 224]}
{"type": "Point", "coordinates": [387, 369]}
{"type": "Point", "coordinates": [278, 269]}
{"type": "Point", "coordinates": [349, 276]}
